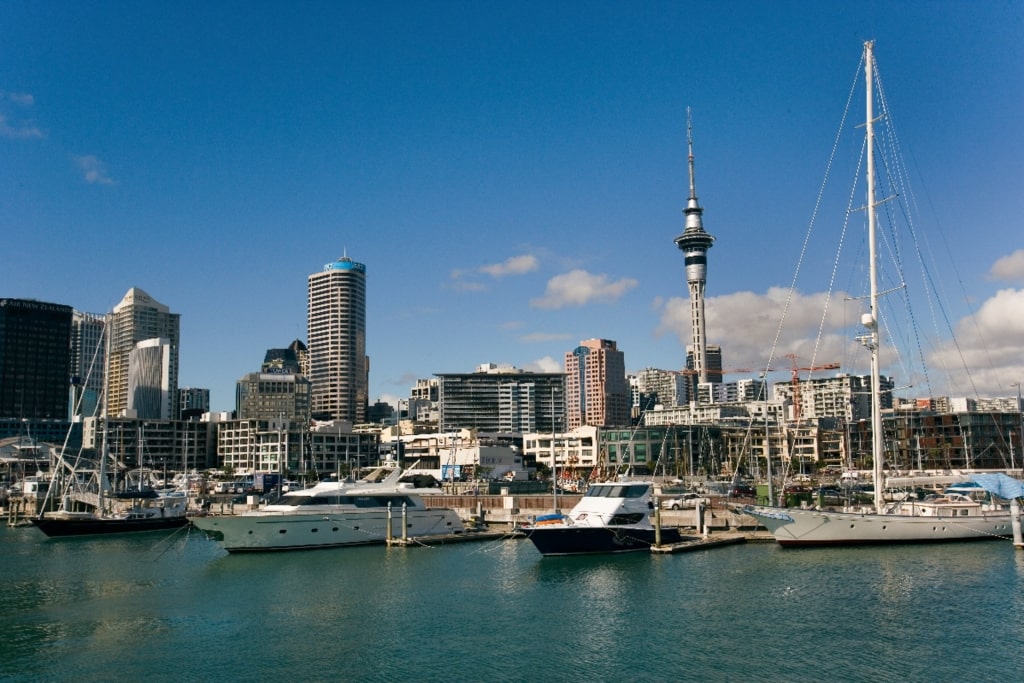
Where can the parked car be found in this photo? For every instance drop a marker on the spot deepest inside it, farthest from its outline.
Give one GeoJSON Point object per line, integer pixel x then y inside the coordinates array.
{"type": "Point", "coordinates": [715, 489]}
{"type": "Point", "coordinates": [742, 491]}
{"type": "Point", "coordinates": [686, 500]}
{"type": "Point", "coordinates": [826, 495]}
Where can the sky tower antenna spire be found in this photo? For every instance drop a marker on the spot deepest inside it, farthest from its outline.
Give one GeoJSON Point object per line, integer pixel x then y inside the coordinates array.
{"type": "Point", "coordinates": [694, 243]}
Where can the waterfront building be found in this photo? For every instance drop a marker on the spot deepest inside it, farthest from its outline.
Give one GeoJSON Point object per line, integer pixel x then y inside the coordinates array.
{"type": "Point", "coordinates": [422, 404]}
{"type": "Point", "coordinates": [193, 402]}
{"type": "Point", "coordinates": [458, 456]}
{"type": "Point", "coordinates": [660, 387]}
{"type": "Point", "coordinates": [22, 456]}
{"type": "Point", "coordinates": [740, 391]}
{"type": "Point", "coordinates": [713, 365]}
{"type": "Point", "coordinates": [425, 390]}
{"type": "Point", "coordinates": [501, 399]}
{"type": "Point", "coordinates": [595, 383]}
{"type": "Point", "coordinates": [694, 243]}
{"type": "Point", "coordinates": [137, 318]}
{"type": "Point", "coordinates": [35, 360]}
{"type": "Point", "coordinates": [269, 395]}
{"type": "Point", "coordinates": [674, 450]}
{"type": "Point", "coordinates": [292, 447]}
{"type": "Point", "coordinates": [338, 365]}
{"type": "Point", "coordinates": [576, 449]}
{"type": "Point", "coordinates": [696, 413]}
{"type": "Point", "coordinates": [171, 445]}
{"type": "Point", "coordinates": [922, 440]}
{"type": "Point", "coordinates": [88, 362]}
{"type": "Point", "coordinates": [149, 392]}
{"type": "Point", "coordinates": [381, 412]}
{"type": "Point", "coordinates": [847, 397]}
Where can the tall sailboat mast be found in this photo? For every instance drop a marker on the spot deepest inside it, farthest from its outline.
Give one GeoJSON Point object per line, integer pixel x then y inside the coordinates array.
{"type": "Point", "coordinates": [870, 320]}
{"type": "Point", "coordinates": [104, 444]}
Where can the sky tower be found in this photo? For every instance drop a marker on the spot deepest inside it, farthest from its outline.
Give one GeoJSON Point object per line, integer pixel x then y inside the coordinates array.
{"type": "Point", "coordinates": [694, 243]}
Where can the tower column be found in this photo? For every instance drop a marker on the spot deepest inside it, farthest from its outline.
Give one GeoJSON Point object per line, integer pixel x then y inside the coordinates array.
{"type": "Point", "coordinates": [694, 243]}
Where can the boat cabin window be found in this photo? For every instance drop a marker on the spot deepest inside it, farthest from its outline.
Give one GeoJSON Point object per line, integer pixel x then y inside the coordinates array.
{"type": "Point", "coordinates": [359, 501]}
{"type": "Point", "coordinates": [617, 491]}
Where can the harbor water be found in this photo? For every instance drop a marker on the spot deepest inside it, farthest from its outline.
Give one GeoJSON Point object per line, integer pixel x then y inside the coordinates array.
{"type": "Point", "coordinates": [163, 607]}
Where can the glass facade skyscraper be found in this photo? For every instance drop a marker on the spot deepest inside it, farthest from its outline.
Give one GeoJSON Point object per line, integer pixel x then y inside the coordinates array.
{"type": "Point", "coordinates": [35, 359]}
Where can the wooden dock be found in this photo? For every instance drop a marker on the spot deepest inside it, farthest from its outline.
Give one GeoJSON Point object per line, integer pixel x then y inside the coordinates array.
{"type": "Point", "coordinates": [700, 543]}
{"type": "Point", "coordinates": [447, 539]}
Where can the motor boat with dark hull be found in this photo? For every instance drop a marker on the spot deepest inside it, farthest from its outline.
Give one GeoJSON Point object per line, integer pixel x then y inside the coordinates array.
{"type": "Point", "coordinates": [611, 517]}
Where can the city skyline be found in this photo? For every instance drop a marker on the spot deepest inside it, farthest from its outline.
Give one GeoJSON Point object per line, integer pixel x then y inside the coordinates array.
{"type": "Point", "coordinates": [512, 176]}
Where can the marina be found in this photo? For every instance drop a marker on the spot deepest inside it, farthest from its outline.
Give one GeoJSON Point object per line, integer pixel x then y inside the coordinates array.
{"type": "Point", "coordinates": [180, 608]}
{"type": "Point", "coordinates": [585, 450]}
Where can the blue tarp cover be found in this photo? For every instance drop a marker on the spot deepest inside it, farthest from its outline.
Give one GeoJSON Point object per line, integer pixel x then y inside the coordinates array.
{"type": "Point", "coordinates": [1000, 485]}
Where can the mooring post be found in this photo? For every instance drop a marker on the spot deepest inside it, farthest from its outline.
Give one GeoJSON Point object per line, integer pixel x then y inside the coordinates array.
{"type": "Point", "coordinates": [1018, 542]}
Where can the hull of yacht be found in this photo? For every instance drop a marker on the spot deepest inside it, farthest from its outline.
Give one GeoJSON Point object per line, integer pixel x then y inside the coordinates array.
{"type": "Point", "coordinates": [585, 540]}
{"type": "Point", "coordinates": [796, 527]}
{"type": "Point", "coordinates": [269, 531]}
{"type": "Point", "coordinates": [93, 525]}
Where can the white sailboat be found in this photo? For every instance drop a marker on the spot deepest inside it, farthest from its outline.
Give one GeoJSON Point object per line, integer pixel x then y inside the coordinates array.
{"type": "Point", "coordinates": [952, 517]}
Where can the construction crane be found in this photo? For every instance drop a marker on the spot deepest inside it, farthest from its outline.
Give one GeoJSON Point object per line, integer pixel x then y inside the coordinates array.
{"type": "Point", "coordinates": [796, 380]}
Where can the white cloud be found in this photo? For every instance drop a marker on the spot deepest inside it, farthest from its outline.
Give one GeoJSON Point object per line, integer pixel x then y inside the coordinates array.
{"type": "Point", "coordinates": [93, 170]}
{"type": "Point", "coordinates": [578, 287]}
{"type": "Point", "coordinates": [1009, 268]}
{"type": "Point", "coordinates": [747, 323]}
{"type": "Point", "coordinates": [22, 99]}
{"type": "Point", "coordinates": [19, 130]}
{"type": "Point", "coordinates": [987, 358]}
{"type": "Point", "coordinates": [515, 265]}
{"type": "Point", "coordinates": [545, 364]}
{"type": "Point", "coordinates": [990, 344]}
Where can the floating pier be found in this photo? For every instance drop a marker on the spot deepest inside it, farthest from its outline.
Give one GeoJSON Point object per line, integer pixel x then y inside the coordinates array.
{"type": "Point", "coordinates": [699, 543]}
{"type": "Point", "coordinates": [446, 539]}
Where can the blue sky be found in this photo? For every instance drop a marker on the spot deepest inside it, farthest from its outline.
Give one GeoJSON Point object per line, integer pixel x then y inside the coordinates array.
{"type": "Point", "coordinates": [512, 174]}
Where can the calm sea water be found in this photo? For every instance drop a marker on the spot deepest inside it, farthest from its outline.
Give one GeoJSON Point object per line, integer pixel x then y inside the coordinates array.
{"type": "Point", "coordinates": [158, 608]}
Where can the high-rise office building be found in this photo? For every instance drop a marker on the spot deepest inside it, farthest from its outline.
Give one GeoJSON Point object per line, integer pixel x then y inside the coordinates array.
{"type": "Point", "coordinates": [338, 365]}
{"type": "Point", "coordinates": [88, 362]}
{"type": "Point", "coordinates": [301, 355]}
{"type": "Point", "coordinates": [35, 359]}
{"type": "Point", "coordinates": [694, 243]}
{"type": "Point", "coordinates": [137, 318]}
{"type": "Point", "coordinates": [596, 389]}
{"type": "Point", "coordinates": [273, 395]}
{"type": "Point", "coordinates": [282, 362]}
{"type": "Point", "coordinates": [193, 402]}
{"type": "Point", "coordinates": [149, 372]}
{"type": "Point", "coordinates": [501, 399]}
